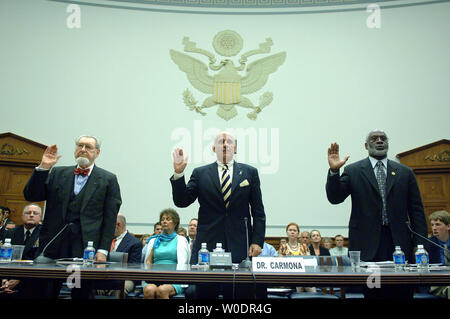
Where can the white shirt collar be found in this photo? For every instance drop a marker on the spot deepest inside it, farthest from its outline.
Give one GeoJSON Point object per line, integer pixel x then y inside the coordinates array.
{"type": "Point", "coordinates": [121, 236]}
{"type": "Point", "coordinates": [374, 161]}
{"type": "Point", "coordinates": [31, 230]}
{"type": "Point", "coordinates": [229, 164]}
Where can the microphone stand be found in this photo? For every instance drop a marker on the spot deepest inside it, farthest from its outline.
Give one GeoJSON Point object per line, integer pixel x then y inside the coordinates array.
{"type": "Point", "coordinates": [246, 263]}
{"type": "Point", "coordinates": [41, 259]}
{"type": "Point", "coordinates": [423, 237]}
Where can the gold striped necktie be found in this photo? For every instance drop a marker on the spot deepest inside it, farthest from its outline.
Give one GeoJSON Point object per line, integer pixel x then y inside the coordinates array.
{"type": "Point", "coordinates": [225, 183]}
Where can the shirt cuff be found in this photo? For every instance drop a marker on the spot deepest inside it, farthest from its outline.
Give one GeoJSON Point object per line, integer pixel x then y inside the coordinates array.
{"type": "Point", "coordinates": [333, 173]}
{"type": "Point", "coordinates": [104, 252]}
{"type": "Point", "coordinates": [177, 176]}
{"type": "Point", "coordinates": [40, 169]}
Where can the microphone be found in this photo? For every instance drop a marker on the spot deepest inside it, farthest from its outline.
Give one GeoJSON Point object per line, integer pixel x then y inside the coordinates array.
{"type": "Point", "coordinates": [423, 237]}
{"type": "Point", "coordinates": [41, 259]}
{"type": "Point", "coordinates": [246, 263]}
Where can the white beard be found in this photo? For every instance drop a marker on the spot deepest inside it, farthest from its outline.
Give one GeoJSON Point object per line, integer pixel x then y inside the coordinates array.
{"type": "Point", "coordinates": [83, 161]}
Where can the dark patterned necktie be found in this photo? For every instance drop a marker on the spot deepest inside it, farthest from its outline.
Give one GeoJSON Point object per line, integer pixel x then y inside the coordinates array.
{"type": "Point", "coordinates": [381, 179]}
{"type": "Point", "coordinates": [27, 236]}
{"type": "Point", "coordinates": [225, 183]}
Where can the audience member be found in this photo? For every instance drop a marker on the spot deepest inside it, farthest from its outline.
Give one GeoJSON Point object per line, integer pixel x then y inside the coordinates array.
{"type": "Point", "coordinates": [339, 250]}
{"type": "Point", "coordinates": [268, 251]}
{"type": "Point", "coordinates": [440, 226]}
{"type": "Point", "coordinates": [27, 235]}
{"type": "Point", "coordinates": [327, 243]}
{"type": "Point", "coordinates": [144, 239]}
{"type": "Point", "coordinates": [157, 229]}
{"type": "Point", "coordinates": [192, 232]}
{"type": "Point", "coordinates": [167, 248]}
{"type": "Point", "coordinates": [315, 248]}
{"type": "Point", "coordinates": [10, 224]}
{"type": "Point", "coordinates": [305, 238]}
{"type": "Point", "coordinates": [2, 224]}
{"type": "Point", "coordinates": [292, 246]}
{"type": "Point", "coordinates": [182, 231]}
{"type": "Point", "coordinates": [124, 242]}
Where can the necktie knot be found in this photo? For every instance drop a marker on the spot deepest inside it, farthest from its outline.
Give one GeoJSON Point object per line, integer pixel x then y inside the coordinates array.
{"type": "Point", "coordinates": [81, 171]}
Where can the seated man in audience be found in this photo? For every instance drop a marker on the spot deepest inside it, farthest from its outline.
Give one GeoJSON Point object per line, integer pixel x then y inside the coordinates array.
{"type": "Point", "coordinates": [339, 250]}
{"type": "Point", "coordinates": [192, 231]}
{"type": "Point", "coordinates": [27, 235]}
{"type": "Point", "coordinates": [305, 238]}
{"type": "Point", "coordinates": [440, 226]}
{"type": "Point", "coordinates": [127, 243]}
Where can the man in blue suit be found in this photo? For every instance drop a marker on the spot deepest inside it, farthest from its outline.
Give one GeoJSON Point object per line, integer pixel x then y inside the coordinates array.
{"type": "Point", "coordinates": [230, 201]}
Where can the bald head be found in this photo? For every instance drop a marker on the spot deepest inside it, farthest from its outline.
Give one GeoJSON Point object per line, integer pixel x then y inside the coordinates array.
{"type": "Point", "coordinates": [224, 147]}
{"type": "Point", "coordinates": [121, 225]}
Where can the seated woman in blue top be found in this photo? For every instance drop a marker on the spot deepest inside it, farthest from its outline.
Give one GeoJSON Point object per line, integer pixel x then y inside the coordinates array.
{"type": "Point", "coordinates": [166, 248]}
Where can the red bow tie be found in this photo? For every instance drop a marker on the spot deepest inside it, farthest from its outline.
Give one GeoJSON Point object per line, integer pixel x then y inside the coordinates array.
{"type": "Point", "coordinates": [82, 171]}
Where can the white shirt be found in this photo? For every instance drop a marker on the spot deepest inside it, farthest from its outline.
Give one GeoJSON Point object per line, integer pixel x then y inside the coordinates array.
{"type": "Point", "coordinates": [25, 231]}
{"type": "Point", "coordinates": [220, 168]}
{"type": "Point", "coordinates": [119, 239]}
{"type": "Point", "coordinates": [374, 162]}
{"type": "Point", "coordinates": [219, 171]}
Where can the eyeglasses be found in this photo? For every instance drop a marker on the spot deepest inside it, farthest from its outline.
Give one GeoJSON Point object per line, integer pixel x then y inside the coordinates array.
{"type": "Point", "coordinates": [31, 213]}
{"type": "Point", "coordinates": [89, 147]}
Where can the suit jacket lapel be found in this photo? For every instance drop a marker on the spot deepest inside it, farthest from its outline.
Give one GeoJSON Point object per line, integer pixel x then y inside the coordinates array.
{"type": "Point", "coordinates": [90, 187]}
{"type": "Point", "coordinates": [66, 187]}
{"type": "Point", "coordinates": [213, 171]}
{"type": "Point", "coordinates": [391, 177]}
{"type": "Point", "coordinates": [237, 175]}
{"type": "Point", "coordinates": [367, 171]}
{"type": "Point", "coordinates": [123, 243]}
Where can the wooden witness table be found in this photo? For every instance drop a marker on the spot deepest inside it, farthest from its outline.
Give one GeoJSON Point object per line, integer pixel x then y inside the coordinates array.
{"type": "Point", "coordinates": [333, 276]}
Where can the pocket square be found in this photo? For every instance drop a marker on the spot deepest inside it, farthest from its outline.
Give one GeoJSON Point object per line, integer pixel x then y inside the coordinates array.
{"type": "Point", "coordinates": [244, 183]}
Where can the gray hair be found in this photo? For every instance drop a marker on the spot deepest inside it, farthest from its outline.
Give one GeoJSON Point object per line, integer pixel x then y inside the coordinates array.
{"type": "Point", "coordinates": [32, 204]}
{"type": "Point", "coordinates": [375, 131]}
{"type": "Point", "coordinates": [121, 218]}
{"type": "Point", "coordinates": [98, 143]}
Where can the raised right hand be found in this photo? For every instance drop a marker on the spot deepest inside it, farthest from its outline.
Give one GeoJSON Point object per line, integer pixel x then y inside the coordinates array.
{"type": "Point", "coordinates": [50, 157]}
{"type": "Point", "coordinates": [179, 161]}
{"type": "Point", "coordinates": [334, 160]}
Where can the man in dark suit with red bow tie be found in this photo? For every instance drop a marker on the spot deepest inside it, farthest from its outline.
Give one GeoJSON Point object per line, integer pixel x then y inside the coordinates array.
{"type": "Point", "coordinates": [84, 197]}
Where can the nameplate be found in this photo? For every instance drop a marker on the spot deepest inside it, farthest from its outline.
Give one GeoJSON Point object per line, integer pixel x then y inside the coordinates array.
{"type": "Point", "coordinates": [282, 264]}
